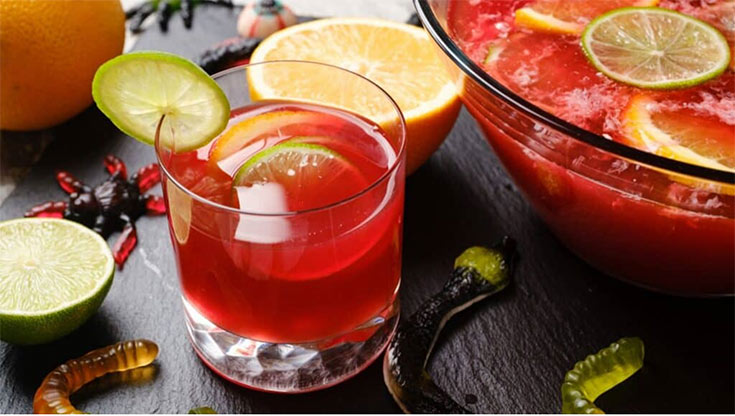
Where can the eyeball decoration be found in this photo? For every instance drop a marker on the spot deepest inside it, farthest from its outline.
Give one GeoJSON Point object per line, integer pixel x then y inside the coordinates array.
{"type": "Point", "coordinates": [261, 18]}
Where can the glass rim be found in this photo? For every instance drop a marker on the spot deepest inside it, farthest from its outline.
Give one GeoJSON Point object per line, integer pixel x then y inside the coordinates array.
{"type": "Point", "coordinates": [493, 86]}
{"type": "Point", "coordinates": [381, 179]}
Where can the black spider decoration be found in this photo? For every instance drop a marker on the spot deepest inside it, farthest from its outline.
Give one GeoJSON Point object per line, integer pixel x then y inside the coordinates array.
{"type": "Point", "coordinates": [113, 205]}
{"type": "Point", "coordinates": [164, 9]}
{"type": "Point", "coordinates": [231, 52]}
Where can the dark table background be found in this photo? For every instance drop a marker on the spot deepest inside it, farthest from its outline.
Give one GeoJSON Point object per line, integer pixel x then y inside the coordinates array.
{"type": "Point", "coordinates": [510, 352]}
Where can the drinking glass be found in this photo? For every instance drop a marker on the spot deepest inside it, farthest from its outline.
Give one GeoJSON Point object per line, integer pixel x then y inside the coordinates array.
{"type": "Point", "coordinates": [290, 301]}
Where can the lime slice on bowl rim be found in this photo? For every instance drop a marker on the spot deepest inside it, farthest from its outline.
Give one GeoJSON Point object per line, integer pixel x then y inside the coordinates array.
{"type": "Point", "coordinates": [54, 274]}
{"type": "Point", "coordinates": [651, 47]}
{"type": "Point", "coordinates": [137, 89]}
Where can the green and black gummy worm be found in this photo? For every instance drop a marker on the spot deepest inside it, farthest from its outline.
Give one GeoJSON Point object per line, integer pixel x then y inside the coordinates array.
{"type": "Point", "coordinates": [478, 273]}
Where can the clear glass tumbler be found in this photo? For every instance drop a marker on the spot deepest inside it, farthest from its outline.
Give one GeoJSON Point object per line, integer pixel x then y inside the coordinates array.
{"type": "Point", "coordinates": [289, 301]}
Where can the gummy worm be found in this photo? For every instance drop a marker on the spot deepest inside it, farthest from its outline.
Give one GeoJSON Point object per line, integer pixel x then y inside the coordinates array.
{"type": "Point", "coordinates": [599, 373]}
{"type": "Point", "coordinates": [478, 273]}
{"type": "Point", "coordinates": [53, 394]}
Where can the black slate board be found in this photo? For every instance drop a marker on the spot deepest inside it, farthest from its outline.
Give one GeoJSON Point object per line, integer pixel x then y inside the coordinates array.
{"type": "Point", "coordinates": [510, 353]}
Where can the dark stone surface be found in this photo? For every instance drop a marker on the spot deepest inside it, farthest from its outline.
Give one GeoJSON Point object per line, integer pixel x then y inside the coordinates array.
{"type": "Point", "coordinates": [508, 354]}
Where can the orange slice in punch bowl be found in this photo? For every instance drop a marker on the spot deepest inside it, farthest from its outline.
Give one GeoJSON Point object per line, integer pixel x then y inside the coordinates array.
{"type": "Point", "coordinates": [568, 16]}
{"type": "Point", "coordinates": [398, 57]}
{"type": "Point", "coordinates": [684, 135]}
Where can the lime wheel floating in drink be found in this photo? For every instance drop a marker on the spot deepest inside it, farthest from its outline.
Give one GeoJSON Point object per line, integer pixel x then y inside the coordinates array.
{"type": "Point", "coordinates": [301, 168]}
{"type": "Point", "coordinates": [651, 47]}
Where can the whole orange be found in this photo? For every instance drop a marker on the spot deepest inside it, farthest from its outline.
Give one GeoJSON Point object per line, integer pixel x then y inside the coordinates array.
{"type": "Point", "coordinates": [49, 52]}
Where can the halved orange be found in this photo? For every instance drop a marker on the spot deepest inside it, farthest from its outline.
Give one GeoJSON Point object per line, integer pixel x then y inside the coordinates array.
{"type": "Point", "coordinates": [568, 17]}
{"type": "Point", "coordinates": [398, 57]}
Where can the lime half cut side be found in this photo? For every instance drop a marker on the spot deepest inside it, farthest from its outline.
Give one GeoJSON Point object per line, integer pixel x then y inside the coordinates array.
{"type": "Point", "coordinates": [54, 274]}
{"type": "Point", "coordinates": [136, 89]}
{"type": "Point", "coordinates": [651, 47]}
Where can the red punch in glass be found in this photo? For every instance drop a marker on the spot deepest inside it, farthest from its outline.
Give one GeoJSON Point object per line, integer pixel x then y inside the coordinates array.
{"type": "Point", "coordinates": [287, 232]}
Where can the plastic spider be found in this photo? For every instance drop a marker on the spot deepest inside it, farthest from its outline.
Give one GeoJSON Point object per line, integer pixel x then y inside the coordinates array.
{"type": "Point", "coordinates": [164, 9]}
{"type": "Point", "coordinates": [113, 205]}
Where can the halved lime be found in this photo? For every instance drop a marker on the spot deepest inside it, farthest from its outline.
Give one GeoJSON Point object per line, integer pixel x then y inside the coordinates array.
{"type": "Point", "coordinates": [136, 89]}
{"type": "Point", "coordinates": [54, 274]}
{"type": "Point", "coordinates": [651, 47]}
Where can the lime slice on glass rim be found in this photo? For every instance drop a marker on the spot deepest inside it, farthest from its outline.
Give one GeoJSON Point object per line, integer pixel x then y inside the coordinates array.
{"type": "Point", "coordinates": [137, 89]}
{"type": "Point", "coordinates": [651, 47]}
{"type": "Point", "coordinates": [295, 164]}
{"type": "Point", "coordinates": [54, 274]}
